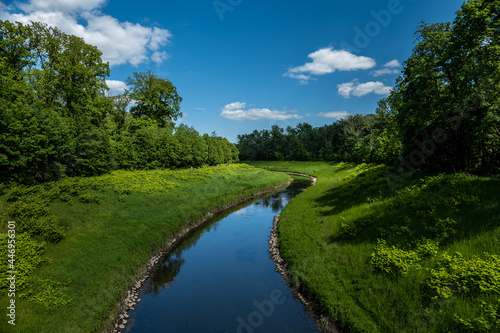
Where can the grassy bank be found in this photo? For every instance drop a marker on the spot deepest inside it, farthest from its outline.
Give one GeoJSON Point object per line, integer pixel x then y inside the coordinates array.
{"type": "Point", "coordinates": [81, 242]}
{"type": "Point", "coordinates": [421, 258]}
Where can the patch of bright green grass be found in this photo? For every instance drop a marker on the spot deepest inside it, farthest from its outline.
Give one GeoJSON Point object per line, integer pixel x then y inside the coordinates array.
{"type": "Point", "coordinates": [109, 225]}
{"type": "Point", "coordinates": [421, 258]}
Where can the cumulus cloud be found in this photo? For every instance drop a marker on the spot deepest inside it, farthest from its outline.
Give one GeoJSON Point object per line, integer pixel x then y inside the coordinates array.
{"type": "Point", "coordinates": [61, 5]}
{"type": "Point", "coordinates": [120, 42]}
{"type": "Point", "coordinates": [361, 89]}
{"type": "Point", "coordinates": [326, 61]}
{"type": "Point", "coordinates": [235, 111]}
{"type": "Point", "coordinates": [116, 87]}
{"type": "Point", "coordinates": [392, 67]}
{"type": "Point", "coordinates": [334, 114]}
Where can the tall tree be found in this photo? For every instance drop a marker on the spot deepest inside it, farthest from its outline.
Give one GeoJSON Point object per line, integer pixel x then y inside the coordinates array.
{"type": "Point", "coordinates": [154, 97]}
{"type": "Point", "coordinates": [448, 113]}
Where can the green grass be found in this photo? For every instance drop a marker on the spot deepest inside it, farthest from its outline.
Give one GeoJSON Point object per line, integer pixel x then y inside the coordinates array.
{"type": "Point", "coordinates": [109, 227]}
{"type": "Point", "coordinates": [422, 258]}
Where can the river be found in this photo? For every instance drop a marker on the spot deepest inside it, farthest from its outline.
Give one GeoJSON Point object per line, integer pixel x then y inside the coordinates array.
{"type": "Point", "coordinates": [220, 278]}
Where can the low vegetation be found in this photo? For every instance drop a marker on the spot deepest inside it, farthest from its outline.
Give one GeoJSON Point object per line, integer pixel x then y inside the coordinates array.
{"type": "Point", "coordinates": [418, 257]}
{"type": "Point", "coordinates": [81, 241]}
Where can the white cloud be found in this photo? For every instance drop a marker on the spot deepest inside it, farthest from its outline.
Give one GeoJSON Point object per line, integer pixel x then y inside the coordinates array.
{"type": "Point", "coordinates": [120, 42]}
{"type": "Point", "coordinates": [116, 87]}
{"type": "Point", "coordinates": [234, 106]}
{"type": "Point", "coordinates": [235, 111]}
{"type": "Point", "coordinates": [61, 5]}
{"type": "Point", "coordinates": [334, 114]}
{"type": "Point", "coordinates": [392, 67]}
{"type": "Point", "coordinates": [326, 61]}
{"type": "Point", "coordinates": [361, 89]}
{"type": "Point", "coordinates": [393, 64]}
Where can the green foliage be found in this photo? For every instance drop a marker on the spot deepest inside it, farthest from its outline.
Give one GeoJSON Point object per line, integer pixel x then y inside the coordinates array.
{"type": "Point", "coordinates": [155, 97]}
{"type": "Point", "coordinates": [454, 275]}
{"type": "Point", "coordinates": [28, 257]}
{"type": "Point", "coordinates": [489, 321]}
{"type": "Point", "coordinates": [94, 264]}
{"type": "Point", "coordinates": [33, 218]}
{"type": "Point", "coordinates": [448, 93]}
{"type": "Point", "coordinates": [373, 257]}
{"type": "Point", "coordinates": [90, 198]}
{"type": "Point", "coordinates": [55, 120]}
{"type": "Point", "coordinates": [32, 143]}
{"type": "Point", "coordinates": [50, 294]}
{"type": "Point", "coordinates": [391, 260]}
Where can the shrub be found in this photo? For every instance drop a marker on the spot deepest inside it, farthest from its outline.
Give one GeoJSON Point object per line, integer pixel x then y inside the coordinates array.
{"type": "Point", "coordinates": [391, 260]}
{"type": "Point", "coordinates": [456, 276]}
{"type": "Point", "coordinates": [27, 258]}
{"type": "Point", "coordinates": [50, 294]}
{"type": "Point", "coordinates": [32, 217]}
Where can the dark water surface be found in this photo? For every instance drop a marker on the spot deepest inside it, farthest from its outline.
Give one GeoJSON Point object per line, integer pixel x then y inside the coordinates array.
{"type": "Point", "coordinates": [221, 279]}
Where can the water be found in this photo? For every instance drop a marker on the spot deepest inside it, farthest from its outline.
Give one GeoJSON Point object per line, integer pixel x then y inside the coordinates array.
{"type": "Point", "coordinates": [221, 279]}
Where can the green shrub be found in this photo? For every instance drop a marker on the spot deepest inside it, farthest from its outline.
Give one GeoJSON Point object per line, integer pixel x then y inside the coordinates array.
{"type": "Point", "coordinates": [391, 260]}
{"type": "Point", "coordinates": [90, 198]}
{"type": "Point", "coordinates": [32, 217]}
{"type": "Point", "coordinates": [456, 276]}
{"type": "Point", "coordinates": [28, 257]}
{"type": "Point", "coordinates": [427, 248]}
{"type": "Point", "coordinates": [489, 321]}
{"type": "Point", "coordinates": [50, 294]}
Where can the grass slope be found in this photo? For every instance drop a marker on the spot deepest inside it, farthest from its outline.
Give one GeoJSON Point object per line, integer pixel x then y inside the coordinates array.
{"type": "Point", "coordinates": [111, 224]}
{"type": "Point", "coordinates": [420, 258]}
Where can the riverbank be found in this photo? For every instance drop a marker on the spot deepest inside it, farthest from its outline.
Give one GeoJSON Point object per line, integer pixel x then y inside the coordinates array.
{"type": "Point", "coordinates": [132, 297]}
{"type": "Point", "coordinates": [323, 322]}
{"type": "Point", "coordinates": [420, 257]}
{"type": "Point", "coordinates": [111, 225]}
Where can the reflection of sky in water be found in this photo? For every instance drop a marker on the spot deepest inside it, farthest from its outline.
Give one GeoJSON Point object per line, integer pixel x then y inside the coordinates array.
{"type": "Point", "coordinates": [242, 211]}
{"type": "Point", "coordinates": [207, 287]}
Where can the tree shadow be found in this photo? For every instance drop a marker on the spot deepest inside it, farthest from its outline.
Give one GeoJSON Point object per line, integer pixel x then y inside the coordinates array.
{"type": "Point", "coordinates": [358, 188]}
{"type": "Point", "coordinates": [447, 209]}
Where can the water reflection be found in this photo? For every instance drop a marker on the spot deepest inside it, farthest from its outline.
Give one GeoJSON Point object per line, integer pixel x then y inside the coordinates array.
{"type": "Point", "coordinates": [207, 287]}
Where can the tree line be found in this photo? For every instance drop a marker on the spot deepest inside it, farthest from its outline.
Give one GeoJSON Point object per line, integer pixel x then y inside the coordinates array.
{"type": "Point", "coordinates": [57, 119]}
{"type": "Point", "coordinates": [442, 116]}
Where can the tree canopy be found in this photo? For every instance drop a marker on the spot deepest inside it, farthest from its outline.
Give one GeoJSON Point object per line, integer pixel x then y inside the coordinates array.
{"type": "Point", "coordinates": [154, 97]}
{"type": "Point", "coordinates": [56, 120]}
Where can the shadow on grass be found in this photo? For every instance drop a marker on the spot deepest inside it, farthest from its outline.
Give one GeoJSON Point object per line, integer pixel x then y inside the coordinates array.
{"type": "Point", "coordinates": [355, 191]}
{"type": "Point", "coordinates": [444, 208]}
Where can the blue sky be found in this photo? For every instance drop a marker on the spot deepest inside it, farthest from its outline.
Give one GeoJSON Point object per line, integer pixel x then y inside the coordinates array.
{"type": "Point", "coordinates": [241, 65]}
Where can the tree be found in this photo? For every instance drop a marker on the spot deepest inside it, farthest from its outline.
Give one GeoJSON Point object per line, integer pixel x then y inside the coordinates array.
{"type": "Point", "coordinates": [155, 97]}
{"type": "Point", "coordinates": [448, 113]}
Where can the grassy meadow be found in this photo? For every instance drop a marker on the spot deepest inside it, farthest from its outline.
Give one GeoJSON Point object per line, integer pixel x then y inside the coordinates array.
{"type": "Point", "coordinates": [423, 257]}
{"type": "Point", "coordinates": [81, 242]}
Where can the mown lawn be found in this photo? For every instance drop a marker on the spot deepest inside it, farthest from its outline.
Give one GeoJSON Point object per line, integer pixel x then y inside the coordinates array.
{"type": "Point", "coordinates": [82, 241]}
{"type": "Point", "coordinates": [423, 257]}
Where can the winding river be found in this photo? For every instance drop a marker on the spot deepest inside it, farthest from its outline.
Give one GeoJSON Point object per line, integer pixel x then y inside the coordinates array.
{"type": "Point", "coordinates": [220, 278]}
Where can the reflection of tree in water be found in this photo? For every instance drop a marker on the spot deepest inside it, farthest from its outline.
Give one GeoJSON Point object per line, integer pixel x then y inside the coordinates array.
{"type": "Point", "coordinates": [165, 273]}
{"type": "Point", "coordinates": [277, 201]}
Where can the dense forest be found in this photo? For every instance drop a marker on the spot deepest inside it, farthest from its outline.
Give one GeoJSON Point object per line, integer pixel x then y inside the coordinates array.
{"type": "Point", "coordinates": [442, 116]}
{"type": "Point", "coordinates": [57, 118]}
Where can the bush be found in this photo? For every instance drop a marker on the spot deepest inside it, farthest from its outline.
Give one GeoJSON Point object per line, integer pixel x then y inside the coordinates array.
{"type": "Point", "coordinates": [32, 217]}
{"type": "Point", "coordinates": [391, 260]}
{"type": "Point", "coordinates": [27, 258]}
{"type": "Point", "coordinates": [456, 276]}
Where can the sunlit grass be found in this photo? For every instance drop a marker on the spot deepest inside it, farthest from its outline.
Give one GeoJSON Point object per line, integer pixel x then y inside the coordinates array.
{"type": "Point", "coordinates": [106, 241]}
{"type": "Point", "coordinates": [329, 233]}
